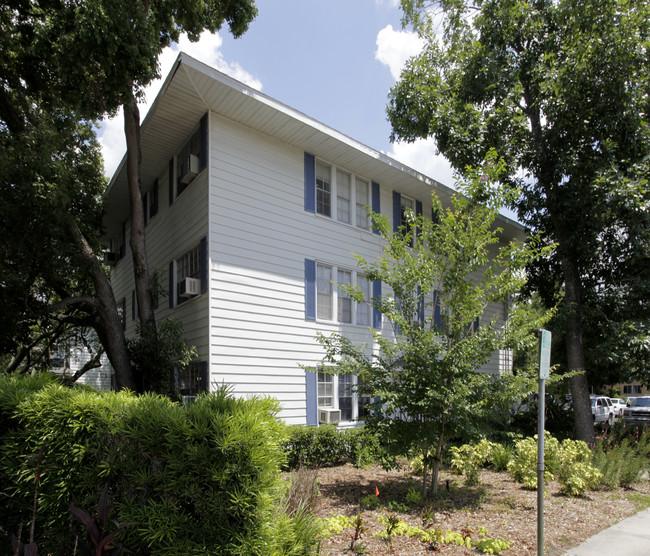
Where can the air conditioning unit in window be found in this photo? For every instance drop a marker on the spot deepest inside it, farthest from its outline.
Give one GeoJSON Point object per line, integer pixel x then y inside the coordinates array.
{"type": "Point", "coordinates": [329, 416]}
{"type": "Point", "coordinates": [189, 287]}
{"type": "Point", "coordinates": [189, 168]}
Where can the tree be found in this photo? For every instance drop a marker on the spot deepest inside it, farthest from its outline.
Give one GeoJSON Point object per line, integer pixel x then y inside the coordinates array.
{"type": "Point", "coordinates": [51, 180]}
{"type": "Point", "coordinates": [442, 275]}
{"type": "Point", "coordinates": [560, 90]}
{"type": "Point", "coordinates": [92, 58]}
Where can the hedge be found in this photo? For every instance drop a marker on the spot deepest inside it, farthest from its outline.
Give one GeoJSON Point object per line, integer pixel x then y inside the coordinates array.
{"type": "Point", "coordinates": [196, 479]}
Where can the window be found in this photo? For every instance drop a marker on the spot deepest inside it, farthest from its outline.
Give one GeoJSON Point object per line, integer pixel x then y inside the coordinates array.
{"type": "Point", "coordinates": [153, 200]}
{"type": "Point", "coordinates": [323, 189]}
{"type": "Point", "coordinates": [190, 161]}
{"type": "Point", "coordinates": [344, 278]}
{"type": "Point", "coordinates": [338, 194]}
{"type": "Point", "coordinates": [324, 292]}
{"type": "Point", "coordinates": [343, 196]}
{"type": "Point", "coordinates": [363, 309]}
{"type": "Point", "coordinates": [192, 380]}
{"type": "Point", "coordinates": [339, 392]}
{"type": "Point", "coordinates": [362, 190]}
{"type": "Point", "coordinates": [406, 204]}
{"type": "Point", "coordinates": [325, 390]}
{"type": "Point", "coordinates": [631, 389]}
{"type": "Point", "coordinates": [192, 264]}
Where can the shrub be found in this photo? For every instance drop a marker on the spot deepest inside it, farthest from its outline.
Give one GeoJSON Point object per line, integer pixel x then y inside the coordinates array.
{"type": "Point", "coordinates": [468, 459]}
{"type": "Point", "coordinates": [500, 456]}
{"type": "Point", "coordinates": [569, 462]}
{"type": "Point", "coordinates": [622, 457]}
{"type": "Point", "coordinates": [326, 445]}
{"type": "Point", "coordinates": [201, 479]}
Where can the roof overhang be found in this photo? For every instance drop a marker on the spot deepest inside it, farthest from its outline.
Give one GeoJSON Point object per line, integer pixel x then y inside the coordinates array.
{"type": "Point", "coordinates": [192, 87]}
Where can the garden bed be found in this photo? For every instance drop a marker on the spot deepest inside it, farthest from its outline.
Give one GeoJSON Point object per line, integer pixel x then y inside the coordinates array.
{"type": "Point", "coordinates": [500, 505]}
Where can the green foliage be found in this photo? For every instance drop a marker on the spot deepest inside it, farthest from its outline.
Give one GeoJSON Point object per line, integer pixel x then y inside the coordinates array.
{"type": "Point", "coordinates": [156, 352]}
{"type": "Point", "coordinates": [468, 459]}
{"type": "Point", "coordinates": [456, 267]}
{"type": "Point", "coordinates": [621, 457]}
{"type": "Point", "coordinates": [500, 456]}
{"type": "Point", "coordinates": [570, 462]}
{"type": "Point", "coordinates": [326, 445]}
{"type": "Point", "coordinates": [561, 94]}
{"type": "Point", "coordinates": [201, 479]}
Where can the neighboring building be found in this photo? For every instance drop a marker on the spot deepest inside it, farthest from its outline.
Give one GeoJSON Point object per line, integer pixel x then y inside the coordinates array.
{"type": "Point", "coordinates": [253, 209]}
{"type": "Point", "coordinates": [632, 389]}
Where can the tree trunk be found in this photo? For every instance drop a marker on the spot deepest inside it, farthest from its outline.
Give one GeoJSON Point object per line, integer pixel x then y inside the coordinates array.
{"type": "Point", "coordinates": [583, 418]}
{"type": "Point", "coordinates": [137, 239]}
{"type": "Point", "coordinates": [107, 321]}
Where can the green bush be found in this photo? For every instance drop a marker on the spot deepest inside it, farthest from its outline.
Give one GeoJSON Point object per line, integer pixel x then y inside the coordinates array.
{"type": "Point", "coordinates": [570, 462]}
{"type": "Point", "coordinates": [468, 459]}
{"type": "Point", "coordinates": [201, 479]}
{"type": "Point", "coordinates": [622, 457]}
{"type": "Point", "coordinates": [326, 445]}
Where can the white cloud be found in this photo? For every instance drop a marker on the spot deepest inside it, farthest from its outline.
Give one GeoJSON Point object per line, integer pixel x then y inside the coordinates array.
{"type": "Point", "coordinates": [421, 156]}
{"type": "Point", "coordinates": [207, 49]}
{"type": "Point", "coordinates": [395, 47]}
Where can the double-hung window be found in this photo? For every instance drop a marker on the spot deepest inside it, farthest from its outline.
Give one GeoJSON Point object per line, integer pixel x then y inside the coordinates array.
{"type": "Point", "coordinates": [192, 379]}
{"type": "Point", "coordinates": [332, 300]}
{"type": "Point", "coordinates": [340, 392]}
{"type": "Point", "coordinates": [339, 194]}
{"type": "Point", "coordinates": [323, 188]}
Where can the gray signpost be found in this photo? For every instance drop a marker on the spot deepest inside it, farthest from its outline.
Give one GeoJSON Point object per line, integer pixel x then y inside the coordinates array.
{"type": "Point", "coordinates": [544, 373]}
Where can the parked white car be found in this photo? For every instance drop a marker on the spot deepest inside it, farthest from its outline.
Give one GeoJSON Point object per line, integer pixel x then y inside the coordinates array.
{"type": "Point", "coordinates": [619, 404]}
{"type": "Point", "coordinates": [602, 410]}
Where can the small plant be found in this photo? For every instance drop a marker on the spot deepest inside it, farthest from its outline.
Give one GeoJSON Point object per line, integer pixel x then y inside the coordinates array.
{"type": "Point", "coordinates": [414, 496]}
{"type": "Point", "coordinates": [492, 546]}
{"type": "Point", "coordinates": [357, 533]}
{"type": "Point", "coordinates": [371, 501]}
{"type": "Point", "coordinates": [303, 490]}
{"type": "Point", "coordinates": [469, 458]}
{"type": "Point", "coordinates": [96, 526]}
{"type": "Point", "coordinates": [500, 456]}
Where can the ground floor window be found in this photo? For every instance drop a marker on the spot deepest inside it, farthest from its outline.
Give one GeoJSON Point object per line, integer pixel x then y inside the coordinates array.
{"type": "Point", "coordinates": [192, 380]}
{"type": "Point", "coordinates": [339, 392]}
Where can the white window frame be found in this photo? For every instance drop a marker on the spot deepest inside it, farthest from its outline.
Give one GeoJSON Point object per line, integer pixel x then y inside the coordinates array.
{"type": "Point", "coordinates": [191, 147]}
{"type": "Point", "coordinates": [189, 381]}
{"type": "Point", "coordinates": [331, 198]}
{"type": "Point", "coordinates": [330, 393]}
{"type": "Point", "coordinates": [188, 265]}
{"type": "Point", "coordinates": [338, 297]}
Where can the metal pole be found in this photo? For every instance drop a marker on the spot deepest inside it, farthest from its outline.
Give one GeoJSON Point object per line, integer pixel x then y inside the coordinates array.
{"type": "Point", "coordinates": [540, 468]}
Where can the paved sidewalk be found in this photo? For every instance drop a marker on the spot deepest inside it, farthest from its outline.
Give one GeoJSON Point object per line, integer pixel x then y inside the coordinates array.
{"type": "Point", "coordinates": [630, 537]}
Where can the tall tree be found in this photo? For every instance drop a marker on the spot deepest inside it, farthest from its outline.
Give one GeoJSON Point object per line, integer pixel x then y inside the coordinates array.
{"type": "Point", "coordinates": [94, 57]}
{"type": "Point", "coordinates": [561, 90]}
{"type": "Point", "coordinates": [445, 279]}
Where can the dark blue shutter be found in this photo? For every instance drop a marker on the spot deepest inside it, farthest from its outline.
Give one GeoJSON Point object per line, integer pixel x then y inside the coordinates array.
{"type": "Point", "coordinates": [310, 289]}
{"type": "Point", "coordinates": [171, 182]}
{"type": "Point", "coordinates": [123, 246]}
{"type": "Point", "coordinates": [204, 370]}
{"type": "Point", "coordinates": [144, 208]}
{"type": "Point", "coordinates": [311, 397]}
{"type": "Point", "coordinates": [437, 314]}
{"type": "Point", "coordinates": [153, 200]}
{"type": "Point", "coordinates": [171, 284]}
{"type": "Point", "coordinates": [203, 138]}
{"type": "Point", "coordinates": [310, 183]}
{"type": "Point", "coordinates": [376, 313]}
{"type": "Point", "coordinates": [420, 305]}
{"type": "Point", "coordinates": [203, 262]}
{"type": "Point", "coordinates": [476, 324]}
{"type": "Point", "coordinates": [376, 207]}
{"type": "Point", "coordinates": [397, 211]}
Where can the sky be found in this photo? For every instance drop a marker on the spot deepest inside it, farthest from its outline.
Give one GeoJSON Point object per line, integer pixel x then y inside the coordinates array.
{"type": "Point", "coordinates": [334, 60]}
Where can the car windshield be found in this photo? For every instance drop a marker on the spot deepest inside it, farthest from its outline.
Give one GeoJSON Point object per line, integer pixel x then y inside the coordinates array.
{"type": "Point", "coordinates": [641, 402]}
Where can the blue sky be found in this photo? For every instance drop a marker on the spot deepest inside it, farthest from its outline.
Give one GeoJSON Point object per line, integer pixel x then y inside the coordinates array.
{"type": "Point", "coordinates": [334, 60]}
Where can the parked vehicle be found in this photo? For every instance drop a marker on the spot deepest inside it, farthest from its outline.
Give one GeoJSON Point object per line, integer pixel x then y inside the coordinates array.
{"type": "Point", "coordinates": [602, 410]}
{"type": "Point", "coordinates": [638, 413]}
{"type": "Point", "coordinates": [619, 404]}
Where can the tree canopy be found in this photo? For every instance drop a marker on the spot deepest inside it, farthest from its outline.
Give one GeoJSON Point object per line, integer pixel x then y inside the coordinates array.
{"type": "Point", "coordinates": [561, 90]}
{"type": "Point", "coordinates": [448, 282]}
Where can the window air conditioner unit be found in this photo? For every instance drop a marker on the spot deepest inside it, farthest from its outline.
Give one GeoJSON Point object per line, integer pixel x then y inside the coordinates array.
{"type": "Point", "coordinates": [110, 258]}
{"type": "Point", "coordinates": [189, 168]}
{"type": "Point", "coordinates": [189, 287]}
{"type": "Point", "coordinates": [329, 416]}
